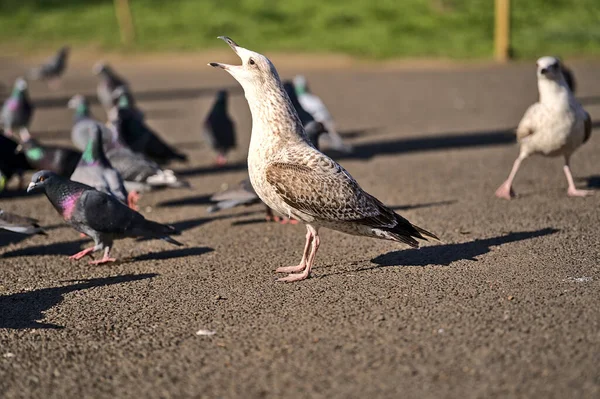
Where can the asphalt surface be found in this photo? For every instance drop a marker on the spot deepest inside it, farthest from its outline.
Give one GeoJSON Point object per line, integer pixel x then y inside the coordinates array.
{"type": "Point", "coordinates": [506, 306]}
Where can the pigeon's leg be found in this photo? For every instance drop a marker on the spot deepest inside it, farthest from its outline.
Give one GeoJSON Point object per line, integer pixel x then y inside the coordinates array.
{"type": "Point", "coordinates": [132, 200]}
{"type": "Point", "coordinates": [573, 191]}
{"type": "Point", "coordinates": [505, 190]}
{"type": "Point", "coordinates": [79, 255]}
{"type": "Point", "coordinates": [288, 221]}
{"type": "Point", "coordinates": [309, 263]}
{"type": "Point", "coordinates": [300, 267]}
{"type": "Point", "coordinates": [269, 215]}
{"type": "Point", "coordinates": [221, 159]}
{"type": "Point", "coordinates": [105, 258]}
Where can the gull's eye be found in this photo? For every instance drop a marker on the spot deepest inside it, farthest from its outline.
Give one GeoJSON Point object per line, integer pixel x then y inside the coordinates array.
{"type": "Point", "coordinates": [251, 62]}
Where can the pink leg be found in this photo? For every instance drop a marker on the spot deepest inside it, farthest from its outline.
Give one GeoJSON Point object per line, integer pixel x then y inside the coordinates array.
{"type": "Point", "coordinates": [505, 190]}
{"type": "Point", "coordinates": [79, 255]}
{"type": "Point", "coordinates": [573, 191]}
{"type": "Point", "coordinates": [132, 200]}
{"type": "Point", "coordinates": [105, 258]}
{"type": "Point", "coordinates": [288, 221]}
{"type": "Point", "coordinates": [221, 160]}
{"type": "Point", "coordinates": [302, 265]}
{"type": "Point", "coordinates": [309, 263]}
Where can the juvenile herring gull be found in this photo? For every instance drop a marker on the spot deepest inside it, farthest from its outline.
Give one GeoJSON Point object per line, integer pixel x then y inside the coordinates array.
{"type": "Point", "coordinates": [295, 179]}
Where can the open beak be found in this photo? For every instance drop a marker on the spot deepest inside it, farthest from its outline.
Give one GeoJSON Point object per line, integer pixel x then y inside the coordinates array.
{"type": "Point", "coordinates": [233, 46]}
{"type": "Point", "coordinates": [32, 186]}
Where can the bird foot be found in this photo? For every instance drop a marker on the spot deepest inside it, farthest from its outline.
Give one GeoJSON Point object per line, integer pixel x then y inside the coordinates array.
{"type": "Point", "coordinates": [288, 221]}
{"type": "Point", "coordinates": [221, 160]}
{"type": "Point", "coordinates": [505, 191]}
{"type": "Point", "coordinates": [290, 278]}
{"type": "Point", "coordinates": [573, 192]}
{"type": "Point", "coordinates": [291, 269]}
{"type": "Point", "coordinates": [79, 255]}
{"type": "Point", "coordinates": [103, 260]}
{"type": "Point", "coordinates": [132, 199]}
{"type": "Point", "coordinates": [82, 235]}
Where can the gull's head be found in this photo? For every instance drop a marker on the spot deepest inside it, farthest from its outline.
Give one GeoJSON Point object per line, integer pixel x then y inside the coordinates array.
{"type": "Point", "coordinates": [256, 69]}
{"type": "Point", "coordinates": [549, 68]}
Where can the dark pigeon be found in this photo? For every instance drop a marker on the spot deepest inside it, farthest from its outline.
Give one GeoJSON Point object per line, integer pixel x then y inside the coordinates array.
{"type": "Point", "coordinates": [84, 124]}
{"type": "Point", "coordinates": [140, 137]}
{"type": "Point", "coordinates": [109, 82]}
{"type": "Point", "coordinates": [243, 193]}
{"type": "Point", "coordinates": [95, 170]}
{"type": "Point", "coordinates": [60, 160]}
{"type": "Point", "coordinates": [19, 224]}
{"type": "Point", "coordinates": [12, 161]}
{"type": "Point", "coordinates": [53, 68]}
{"type": "Point", "coordinates": [96, 214]}
{"type": "Point", "coordinates": [305, 117]}
{"type": "Point", "coordinates": [17, 110]}
{"type": "Point", "coordinates": [140, 174]}
{"type": "Point", "coordinates": [569, 78]}
{"type": "Point", "coordinates": [219, 130]}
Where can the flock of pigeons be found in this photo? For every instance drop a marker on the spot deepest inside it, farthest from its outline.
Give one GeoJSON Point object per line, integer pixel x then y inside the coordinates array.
{"type": "Point", "coordinates": [96, 190]}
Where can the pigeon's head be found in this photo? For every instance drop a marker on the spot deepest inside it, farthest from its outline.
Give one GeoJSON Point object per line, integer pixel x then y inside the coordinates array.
{"type": "Point", "coordinates": [76, 101]}
{"type": "Point", "coordinates": [20, 84]}
{"type": "Point", "coordinates": [256, 71]}
{"type": "Point", "coordinates": [300, 84]}
{"type": "Point", "coordinates": [549, 68]}
{"type": "Point", "coordinates": [64, 50]}
{"type": "Point", "coordinates": [222, 95]}
{"type": "Point", "coordinates": [40, 180]}
{"type": "Point", "coordinates": [99, 67]}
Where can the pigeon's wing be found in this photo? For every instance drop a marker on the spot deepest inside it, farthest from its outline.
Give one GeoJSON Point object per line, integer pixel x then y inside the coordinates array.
{"type": "Point", "coordinates": [18, 224]}
{"type": "Point", "coordinates": [587, 124]}
{"type": "Point", "coordinates": [530, 122]}
{"type": "Point", "coordinates": [132, 166]}
{"type": "Point", "coordinates": [115, 184]}
{"type": "Point", "coordinates": [243, 193]}
{"type": "Point", "coordinates": [92, 176]}
{"type": "Point", "coordinates": [315, 106]}
{"type": "Point", "coordinates": [104, 213]}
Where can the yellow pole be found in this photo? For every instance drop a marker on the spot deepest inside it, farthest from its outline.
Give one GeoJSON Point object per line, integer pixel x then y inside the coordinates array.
{"type": "Point", "coordinates": [125, 21]}
{"type": "Point", "coordinates": [502, 31]}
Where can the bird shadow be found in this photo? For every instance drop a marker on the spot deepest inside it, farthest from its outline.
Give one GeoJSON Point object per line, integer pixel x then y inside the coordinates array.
{"type": "Point", "coordinates": [355, 133]}
{"type": "Point", "coordinates": [203, 170]}
{"type": "Point", "coordinates": [446, 254]}
{"type": "Point", "coordinates": [25, 309]}
{"type": "Point", "coordinates": [194, 200]}
{"type": "Point", "coordinates": [58, 248]}
{"type": "Point", "coordinates": [249, 221]}
{"type": "Point", "coordinates": [8, 238]}
{"type": "Point", "coordinates": [591, 181]}
{"type": "Point", "coordinates": [431, 143]}
{"type": "Point", "coordinates": [423, 205]}
{"type": "Point", "coordinates": [173, 254]}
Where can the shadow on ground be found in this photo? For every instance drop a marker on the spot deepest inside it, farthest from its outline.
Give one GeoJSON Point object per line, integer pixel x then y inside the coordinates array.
{"type": "Point", "coordinates": [203, 170]}
{"type": "Point", "coordinates": [423, 205]}
{"type": "Point", "coordinates": [449, 253]}
{"type": "Point", "coordinates": [186, 201]}
{"type": "Point", "coordinates": [24, 309]}
{"type": "Point", "coordinates": [175, 253]}
{"type": "Point", "coordinates": [59, 248]}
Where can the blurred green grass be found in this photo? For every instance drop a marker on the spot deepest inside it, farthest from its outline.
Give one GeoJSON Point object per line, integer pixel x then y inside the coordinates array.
{"type": "Point", "coordinates": [362, 28]}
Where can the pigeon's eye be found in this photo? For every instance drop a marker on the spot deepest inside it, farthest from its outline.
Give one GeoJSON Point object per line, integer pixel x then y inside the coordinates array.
{"type": "Point", "coordinates": [251, 62]}
{"type": "Point", "coordinates": [41, 179]}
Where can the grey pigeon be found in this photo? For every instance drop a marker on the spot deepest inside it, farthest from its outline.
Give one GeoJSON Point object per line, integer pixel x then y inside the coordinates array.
{"type": "Point", "coordinates": [19, 224]}
{"type": "Point", "coordinates": [556, 125]}
{"type": "Point", "coordinates": [139, 173]}
{"type": "Point", "coordinates": [52, 69]}
{"type": "Point", "coordinates": [140, 137]}
{"type": "Point", "coordinates": [316, 107]}
{"type": "Point", "coordinates": [59, 159]}
{"type": "Point", "coordinates": [295, 179]}
{"type": "Point", "coordinates": [108, 83]}
{"type": "Point", "coordinates": [219, 130]}
{"type": "Point", "coordinates": [244, 195]}
{"type": "Point", "coordinates": [17, 110]}
{"type": "Point", "coordinates": [95, 170]}
{"type": "Point", "coordinates": [12, 161]}
{"type": "Point", "coordinates": [96, 214]}
{"type": "Point", "coordinates": [84, 124]}
{"type": "Point", "coordinates": [304, 116]}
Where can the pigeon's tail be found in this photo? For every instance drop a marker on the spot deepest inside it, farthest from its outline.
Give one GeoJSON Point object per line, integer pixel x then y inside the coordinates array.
{"type": "Point", "coordinates": [166, 178]}
{"type": "Point", "coordinates": [227, 204]}
{"type": "Point", "coordinates": [29, 230]}
{"type": "Point", "coordinates": [161, 231]}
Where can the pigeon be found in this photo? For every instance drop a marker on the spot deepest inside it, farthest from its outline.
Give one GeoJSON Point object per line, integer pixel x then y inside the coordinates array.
{"type": "Point", "coordinates": [52, 70]}
{"type": "Point", "coordinates": [84, 124]}
{"type": "Point", "coordinates": [19, 224]}
{"type": "Point", "coordinates": [569, 78]}
{"type": "Point", "coordinates": [99, 215]}
{"type": "Point", "coordinates": [290, 90]}
{"type": "Point", "coordinates": [17, 110]}
{"type": "Point", "coordinates": [12, 161]}
{"type": "Point", "coordinates": [556, 125]}
{"type": "Point", "coordinates": [140, 174]}
{"type": "Point", "coordinates": [139, 137]}
{"type": "Point", "coordinates": [315, 106]}
{"type": "Point", "coordinates": [244, 195]}
{"type": "Point", "coordinates": [219, 130]}
{"type": "Point", "coordinates": [60, 160]}
{"type": "Point", "coordinates": [109, 82]}
{"type": "Point", "coordinates": [295, 179]}
{"type": "Point", "coordinates": [95, 170]}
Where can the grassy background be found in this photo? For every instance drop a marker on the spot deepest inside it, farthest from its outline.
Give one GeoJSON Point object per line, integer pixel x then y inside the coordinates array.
{"type": "Point", "coordinates": [363, 28]}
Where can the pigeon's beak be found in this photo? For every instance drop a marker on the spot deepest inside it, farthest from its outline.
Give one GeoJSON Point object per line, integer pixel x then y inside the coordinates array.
{"type": "Point", "coordinates": [233, 46]}
{"type": "Point", "coordinates": [31, 187]}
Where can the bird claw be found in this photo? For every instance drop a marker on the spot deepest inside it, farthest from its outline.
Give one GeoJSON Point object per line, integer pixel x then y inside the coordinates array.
{"type": "Point", "coordinates": [81, 254]}
{"type": "Point", "coordinates": [291, 269]}
{"type": "Point", "coordinates": [294, 277]}
{"type": "Point", "coordinates": [103, 260]}
{"type": "Point", "coordinates": [132, 200]}
{"type": "Point", "coordinates": [505, 192]}
{"type": "Point", "coordinates": [579, 193]}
